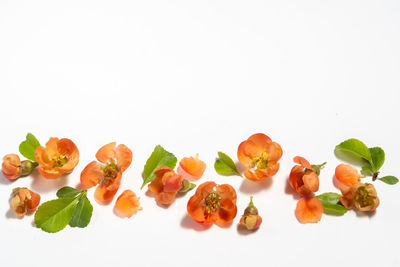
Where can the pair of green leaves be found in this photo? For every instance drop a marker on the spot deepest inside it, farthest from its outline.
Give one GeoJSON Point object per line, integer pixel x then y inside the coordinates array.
{"type": "Point", "coordinates": [374, 157]}
{"type": "Point", "coordinates": [331, 203]}
{"type": "Point", "coordinates": [158, 158]}
{"type": "Point", "coordinates": [72, 207]}
{"type": "Point", "coordinates": [224, 165]}
{"type": "Point", "coordinates": [28, 147]}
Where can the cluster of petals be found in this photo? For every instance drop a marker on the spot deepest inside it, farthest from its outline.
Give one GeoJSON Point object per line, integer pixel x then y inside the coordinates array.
{"type": "Point", "coordinates": [23, 200]}
{"type": "Point", "coordinates": [166, 185]}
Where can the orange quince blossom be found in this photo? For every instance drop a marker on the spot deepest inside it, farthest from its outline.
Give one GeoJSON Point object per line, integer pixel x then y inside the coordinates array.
{"type": "Point", "coordinates": [304, 177]}
{"type": "Point", "coordinates": [127, 204]}
{"type": "Point", "coordinates": [23, 200]}
{"type": "Point", "coordinates": [115, 159]}
{"type": "Point", "coordinates": [191, 168]}
{"type": "Point", "coordinates": [60, 156]}
{"type": "Point", "coordinates": [213, 203]}
{"type": "Point", "coordinates": [346, 177]}
{"type": "Point", "coordinates": [166, 185]}
{"type": "Point", "coordinates": [309, 209]}
{"type": "Point", "coordinates": [361, 197]}
{"type": "Point", "coordinates": [250, 218]}
{"type": "Point", "coordinates": [260, 155]}
{"type": "Point", "coordinates": [13, 168]}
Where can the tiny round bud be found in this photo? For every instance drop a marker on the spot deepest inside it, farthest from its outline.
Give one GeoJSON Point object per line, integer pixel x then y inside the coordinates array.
{"type": "Point", "coordinates": [28, 167]}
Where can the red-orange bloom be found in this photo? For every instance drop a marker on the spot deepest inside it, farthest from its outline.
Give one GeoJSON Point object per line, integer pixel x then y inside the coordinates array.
{"type": "Point", "coordinates": [346, 177]}
{"type": "Point", "coordinates": [361, 197]}
{"type": "Point", "coordinates": [115, 159]}
{"type": "Point", "coordinates": [11, 167]}
{"type": "Point", "coordinates": [303, 179]}
{"type": "Point", "coordinates": [166, 185]}
{"type": "Point", "coordinates": [191, 168]}
{"type": "Point", "coordinates": [309, 209]}
{"type": "Point", "coordinates": [260, 155]}
{"type": "Point", "coordinates": [213, 203]}
{"type": "Point", "coordinates": [60, 156]}
{"type": "Point", "coordinates": [23, 200]}
{"type": "Point", "coordinates": [127, 204]}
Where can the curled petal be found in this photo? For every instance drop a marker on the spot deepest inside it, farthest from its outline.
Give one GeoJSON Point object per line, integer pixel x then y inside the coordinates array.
{"type": "Point", "coordinates": [191, 168]}
{"type": "Point", "coordinates": [51, 149]}
{"type": "Point", "coordinates": [173, 183]}
{"type": "Point", "coordinates": [127, 204]}
{"type": "Point", "coordinates": [103, 195]}
{"type": "Point", "coordinates": [106, 153]}
{"type": "Point", "coordinates": [123, 156]}
{"type": "Point", "coordinates": [311, 181]}
{"type": "Point", "coordinates": [91, 175]}
{"type": "Point", "coordinates": [347, 175]}
{"type": "Point", "coordinates": [50, 173]}
{"type": "Point", "coordinates": [309, 210]}
{"type": "Point", "coordinates": [274, 151]}
{"type": "Point", "coordinates": [303, 162]}
{"type": "Point", "coordinates": [67, 148]}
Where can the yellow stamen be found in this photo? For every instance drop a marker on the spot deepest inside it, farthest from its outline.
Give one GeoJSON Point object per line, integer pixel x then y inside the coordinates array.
{"type": "Point", "coordinates": [212, 200]}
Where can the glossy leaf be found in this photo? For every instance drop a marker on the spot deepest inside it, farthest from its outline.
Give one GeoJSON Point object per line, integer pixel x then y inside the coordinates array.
{"type": "Point", "coordinates": [224, 165]}
{"type": "Point", "coordinates": [28, 147]}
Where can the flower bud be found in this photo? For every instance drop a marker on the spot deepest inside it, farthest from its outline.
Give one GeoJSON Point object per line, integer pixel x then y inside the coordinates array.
{"type": "Point", "coordinates": [250, 219]}
{"type": "Point", "coordinates": [365, 197]}
{"type": "Point", "coordinates": [28, 167]}
{"type": "Point", "coordinates": [23, 200]}
{"type": "Point", "coordinates": [11, 167]}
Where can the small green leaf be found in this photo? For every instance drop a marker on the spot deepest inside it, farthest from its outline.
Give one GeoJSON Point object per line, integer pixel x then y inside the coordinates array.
{"type": "Point", "coordinates": [27, 148]}
{"type": "Point", "coordinates": [224, 165]}
{"type": "Point", "coordinates": [52, 216]}
{"type": "Point", "coordinates": [159, 157]}
{"type": "Point", "coordinates": [357, 148]}
{"type": "Point", "coordinates": [378, 157]}
{"type": "Point", "coordinates": [331, 203]}
{"type": "Point", "coordinates": [389, 180]}
{"type": "Point", "coordinates": [83, 213]}
{"type": "Point", "coordinates": [68, 192]}
{"type": "Point", "coordinates": [367, 170]}
{"type": "Point", "coordinates": [186, 186]}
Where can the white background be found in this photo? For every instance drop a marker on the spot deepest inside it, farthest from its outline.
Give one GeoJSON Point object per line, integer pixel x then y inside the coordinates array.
{"type": "Point", "coordinates": [200, 77]}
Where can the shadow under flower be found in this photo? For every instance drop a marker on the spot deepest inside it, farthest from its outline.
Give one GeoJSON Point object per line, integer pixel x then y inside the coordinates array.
{"type": "Point", "coordinates": [244, 231]}
{"type": "Point", "coordinates": [290, 191]}
{"type": "Point", "coordinates": [251, 187]}
{"type": "Point", "coordinates": [42, 185]}
{"type": "Point", "coordinates": [188, 223]}
{"type": "Point", "coordinates": [4, 180]}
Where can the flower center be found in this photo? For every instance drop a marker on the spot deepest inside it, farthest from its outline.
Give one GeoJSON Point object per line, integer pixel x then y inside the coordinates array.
{"type": "Point", "coordinates": [59, 160]}
{"type": "Point", "coordinates": [212, 200]}
{"type": "Point", "coordinates": [363, 198]}
{"type": "Point", "coordinates": [260, 162]}
{"type": "Point", "coordinates": [110, 171]}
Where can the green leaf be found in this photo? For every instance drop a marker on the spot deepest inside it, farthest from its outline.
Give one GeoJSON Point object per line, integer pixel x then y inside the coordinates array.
{"type": "Point", "coordinates": [331, 203]}
{"type": "Point", "coordinates": [186, 186]}
{"type": "Point", "coordinates": [367, 170]}
{"type": "Point", "coordinates": [52, 216]}
{"type": "Point", "coordinates": [68, 192]}
{"type": "Point", "coordinates": [357, 148]}
{"type": "Point", "coordinates": [83, 213]}
{"type": "Point", "coordinates": [389, 180]}
{"type": "Point", "coordinates": [224, 165]}
{"type": "Point", "coordinates": [378, 157]}
{"type": "Point", "coordinates": [159, 157]}
{"type": "Point", "coordinates": [27, 148]}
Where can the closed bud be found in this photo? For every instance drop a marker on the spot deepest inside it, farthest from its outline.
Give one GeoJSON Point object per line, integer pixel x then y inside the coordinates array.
{"type": "Point", "coordinates": [250, 218]}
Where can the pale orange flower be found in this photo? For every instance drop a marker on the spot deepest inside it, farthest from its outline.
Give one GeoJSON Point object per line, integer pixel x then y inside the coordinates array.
{"type": "Point", "coordinates": [23, 200]}
{"type": "Point", "coordinates": [303, 178]}
{"type": "Point", "coordinates": [309, 209]}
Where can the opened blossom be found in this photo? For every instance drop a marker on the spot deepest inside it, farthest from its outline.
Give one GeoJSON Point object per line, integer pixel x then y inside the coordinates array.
{"type": "Point", "coordinates": [213, 203]}
{"type": "Point", "coordinates": [260, 155]}
{"type": "Point", "coordinates": [304, 178]}
{"type": "Point", "coordinates": [166, 185]}
{"type": "Point", "coordinates": [361, 197]}
{"type": "Point", "coordinates": [107, 174]}
{"type": "Point", "coordinates": [127, 204]}
{"type": "Point", "coordinates": [309, 209]}
{"type": "Point", "coordinates": [60, 156]}
{"type": "Point", "coordinates": [191, 168]}
{"type": "Point", "coordinates": [23, 200]}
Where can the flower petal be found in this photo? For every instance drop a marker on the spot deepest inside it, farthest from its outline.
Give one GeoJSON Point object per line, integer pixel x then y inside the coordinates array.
{"type": "Point", "coordinates": [123, 156]}
{"type": "Point", "coordinates": [103, 195]}
{"type": "Point", "coordinates": [50, 173]}
{"type": "Point", "coordinates": [91, 175]}
{"type": "Point", "coordinates": [347, 175]}
{"type": "Point", "coordinates": [127, 204]}
{"type": "Point", "coordinates": [106, 153]}
{"type": "Point", "coordinates": [309, 210]}
{"type": "Point", "coordinates": [303, 162]}
{"type": "Point", "coordinates": [67, 148]}
{"type": "Point", "coordinates": [274, 151]}
{"type": "Point", "coordinates": [191, 168]}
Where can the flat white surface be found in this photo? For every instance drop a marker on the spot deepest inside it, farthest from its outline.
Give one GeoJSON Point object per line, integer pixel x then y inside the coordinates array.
{"type": "Point", "coordinates": [200, 77]}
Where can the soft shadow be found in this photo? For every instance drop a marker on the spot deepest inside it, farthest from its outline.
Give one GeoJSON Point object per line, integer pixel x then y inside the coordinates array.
{"type": "Point", "coordinates": [4, 180]}
{"type": "Point", "coordinates": [225, 225]}
{"type": "Point", "coordinates": [290, 191]}
{"type": "Point", "coordinates": [366, 213]}
{"type": "Point", "coordinates": [349, 158]}
{"type": "Point", "coordinates": [188, 223]}
{"type": "Point", "coordinates": [244, 231]}
{"type": "Point", "coordinates": [335, 182]}
{"type": "Point", "coordinates": [10, 214]}
{"type": "Point", "coordinates": [251, 187]}
{"type": "Point", "coordinates": [43, 185]}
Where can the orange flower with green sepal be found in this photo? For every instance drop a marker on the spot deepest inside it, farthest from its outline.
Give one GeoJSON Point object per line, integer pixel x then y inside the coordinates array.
{"type": "Point", "coordinates": [166, 185]}
{"type": "Point", "coordinates": [23, 200]}
{"type": "Point", "coordinates": [260, 155]}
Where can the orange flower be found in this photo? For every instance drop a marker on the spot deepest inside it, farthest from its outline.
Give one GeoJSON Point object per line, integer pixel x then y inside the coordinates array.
{"type": "Point", "coordinates": [115, 159]}
{"type": "Point", "coordinates": [304, 178]}
{"type": "Point", "coordinates": [260, 156]}
{"type": "Point", "coordinates": [23, 200]}
{"type": "Point", "coordinates": [309, 209]}
{"type": "Point", "coordinates": [346, 177]}
{"type": "Point", "coordinates": [213, 203]}
{"type": "Point", "coordinates": [191, 168]}
{"type": "Point", "coordinates": [60, 156]}
{"type": "Point", "coordinates": [11, 167]}
{"type": "Point", "coordinates": [361, 197]}
{"type": "Point", "coordinates": [127, 204]}
{"type": "Point", "coordinates": [166, 185]}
